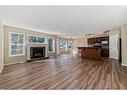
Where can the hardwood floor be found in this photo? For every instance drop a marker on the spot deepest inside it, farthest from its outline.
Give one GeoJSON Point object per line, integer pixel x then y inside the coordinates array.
{"type": "Point", "coordinates": [65, 72]}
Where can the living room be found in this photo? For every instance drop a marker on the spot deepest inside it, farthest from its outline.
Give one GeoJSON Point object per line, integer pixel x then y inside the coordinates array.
{"type": "Point", "coordinates": [42, 48]}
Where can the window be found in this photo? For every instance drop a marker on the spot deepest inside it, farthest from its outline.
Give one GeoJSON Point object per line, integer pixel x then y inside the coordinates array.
{"type": "Point", "coordinates": [51, 45]}
{"type": "Point", "coordinates": [63, 44]}
{"type": "Point", "coordinates": [17, 44]}
{"type": "Point", "coordinates": [70, 44]}
{"type": "Point", "coordinates": [36, 39]}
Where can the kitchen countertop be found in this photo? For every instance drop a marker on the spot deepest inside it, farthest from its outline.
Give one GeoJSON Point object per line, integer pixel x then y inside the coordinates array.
{"type": "Point", "coordinates": [90, 47]}
{"type": "Point", "coordinates": [92, 53]}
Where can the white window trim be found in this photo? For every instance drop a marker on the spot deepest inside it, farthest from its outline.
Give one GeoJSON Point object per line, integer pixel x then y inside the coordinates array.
{"type": "Point", "coordinates": [66, 45]}
{"type": "Point", "coordinates": [36, 36]}
{"type": "Point", "coordinates": [53, 44]}
{"type": "Point", "coordinates": [9, 38]}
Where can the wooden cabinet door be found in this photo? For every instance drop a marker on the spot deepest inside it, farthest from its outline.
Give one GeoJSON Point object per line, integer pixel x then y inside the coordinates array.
{"type": "Point", "coordinates": [90, 41]}
{"type": "Point", "coordinates": [105, 52]}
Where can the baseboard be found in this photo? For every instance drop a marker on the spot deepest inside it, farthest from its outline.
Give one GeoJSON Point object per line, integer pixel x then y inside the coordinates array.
{"type": "Point", "coordinates": [113, 59]}
{"type": "Point", "coordinates": [14, 63]}
{"type": "Point", "coordinates": [124, 64]}
{"type": "Point", "coordinates": [36, 59]}
{"type": "Point", "coordinates": [1, 69]}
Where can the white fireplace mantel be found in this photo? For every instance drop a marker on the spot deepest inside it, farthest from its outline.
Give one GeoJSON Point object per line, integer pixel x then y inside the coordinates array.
{"type": "Point", "coordinates": [36, 45]}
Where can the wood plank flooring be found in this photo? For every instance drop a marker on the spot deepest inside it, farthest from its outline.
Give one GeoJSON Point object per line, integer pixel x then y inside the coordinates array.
{"type": "Point", "coordinates": [65, 72]}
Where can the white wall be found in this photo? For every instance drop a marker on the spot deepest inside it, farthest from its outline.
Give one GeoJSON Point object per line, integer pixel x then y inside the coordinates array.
{"type": "Point", "coordinates": [1, 47]}
{"type": "Point", "coordinates": [57, 46]}
{"type": "Point", "coordinates": [114, 36]}
{"type": "Point", "coordinates": [124, 44]}
{"type": "Point", "coordinates": [80, 42]}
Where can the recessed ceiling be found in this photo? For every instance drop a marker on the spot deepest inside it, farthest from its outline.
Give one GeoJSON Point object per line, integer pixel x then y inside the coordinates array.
{"type": "Point", "coordinates": [65, 20]}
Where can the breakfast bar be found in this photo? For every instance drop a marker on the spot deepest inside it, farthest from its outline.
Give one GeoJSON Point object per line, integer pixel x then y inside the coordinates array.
{"type": "Point", "coordinates": [93, 53]}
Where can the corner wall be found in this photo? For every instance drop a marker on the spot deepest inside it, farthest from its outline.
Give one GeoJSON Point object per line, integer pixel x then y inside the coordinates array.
{"type": "Point", "coordinates": [124, 44]}
{"type": "Point", "coordinates": [1, 47]}
{"type": "Point", "coordinates": [114, 36]}
{"type": "Point", "coordinates": [80, 42]}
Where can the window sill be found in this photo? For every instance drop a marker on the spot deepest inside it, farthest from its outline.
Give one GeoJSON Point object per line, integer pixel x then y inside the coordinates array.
{"type": "Point", "coordinates": [51, 52]}
{"type": "Point", "coordinates": [37, 43]}
{"type": "Point", "coordinates": [17, 55]}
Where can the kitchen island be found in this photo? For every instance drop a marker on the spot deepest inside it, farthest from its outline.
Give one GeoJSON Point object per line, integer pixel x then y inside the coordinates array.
{"type": "Point", "coordinates": [93, 53]}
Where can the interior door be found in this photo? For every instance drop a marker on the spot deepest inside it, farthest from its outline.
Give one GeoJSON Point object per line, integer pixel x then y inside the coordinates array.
{"type": "Point", "coordinates": [114, 46]}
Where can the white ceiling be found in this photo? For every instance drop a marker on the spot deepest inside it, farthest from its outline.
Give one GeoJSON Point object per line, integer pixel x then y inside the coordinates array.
{"type": "Point", "coordinates": [65, 20]}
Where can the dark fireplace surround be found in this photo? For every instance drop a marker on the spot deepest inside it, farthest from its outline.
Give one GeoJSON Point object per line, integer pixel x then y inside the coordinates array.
{"type": "Point", "coordinates": [37, 52]}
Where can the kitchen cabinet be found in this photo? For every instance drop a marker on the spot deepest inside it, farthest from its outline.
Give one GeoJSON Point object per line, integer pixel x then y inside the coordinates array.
{"type": "Point", "coordinates": [105, 52]}
{"type": "Point", "coordinates": [97, 39]}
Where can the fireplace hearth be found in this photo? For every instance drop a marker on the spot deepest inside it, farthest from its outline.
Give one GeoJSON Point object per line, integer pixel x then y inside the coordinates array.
{"type": "Point", "coordinates": [37, 52]}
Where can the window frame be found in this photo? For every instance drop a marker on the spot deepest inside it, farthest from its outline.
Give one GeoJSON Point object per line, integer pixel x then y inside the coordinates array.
{"type": "Point", "coordinates": [53, 44]}
{"type": "Point", "coordinates": [66, 45]}
{"type": "Point", "coordinates": [10, 44]}
{"type": "Point", "coordinates": [36, 36]}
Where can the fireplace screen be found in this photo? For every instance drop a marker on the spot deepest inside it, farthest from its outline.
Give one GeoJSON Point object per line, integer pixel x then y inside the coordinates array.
{"type": "Point", "coordinates": [37, 52]}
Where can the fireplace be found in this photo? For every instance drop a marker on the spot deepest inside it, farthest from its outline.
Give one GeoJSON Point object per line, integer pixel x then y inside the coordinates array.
{"type": "Point", "coordinates": [37, 52]}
